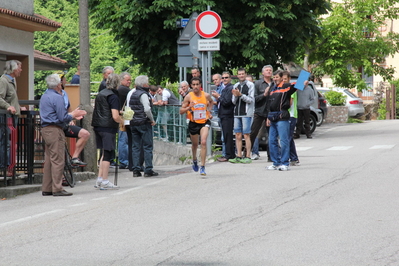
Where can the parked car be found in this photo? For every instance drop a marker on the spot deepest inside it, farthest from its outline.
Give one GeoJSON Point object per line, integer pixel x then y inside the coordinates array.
{"type": "Point", "coordinates": [354, 103]}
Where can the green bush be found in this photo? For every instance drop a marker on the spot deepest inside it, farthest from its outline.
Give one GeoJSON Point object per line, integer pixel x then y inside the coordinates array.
{"type": "Point", "coordinates": [335, 98]}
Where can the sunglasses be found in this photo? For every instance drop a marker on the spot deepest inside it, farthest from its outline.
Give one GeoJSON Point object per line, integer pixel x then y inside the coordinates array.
{"type": "Point", "coordinates": [225, 77]}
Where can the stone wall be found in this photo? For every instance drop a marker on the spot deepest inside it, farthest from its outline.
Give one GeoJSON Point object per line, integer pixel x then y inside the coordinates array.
{"type": "Point", "coordinates": [169, 153]}
{"type": "Point", "coordinates": [337, 114]}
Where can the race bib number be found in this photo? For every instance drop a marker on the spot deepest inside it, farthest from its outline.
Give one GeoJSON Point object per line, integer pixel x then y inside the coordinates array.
{"type": "Point", "coordinates": [199, 114]}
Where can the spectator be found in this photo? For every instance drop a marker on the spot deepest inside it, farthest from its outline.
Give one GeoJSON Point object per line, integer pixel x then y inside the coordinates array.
{"type": "Point", "coordinates": [141, 127]}
{"type": "Point", "coordinates": [54, 117]}
{"type": "Point", "coordinates": [262, 93]}
{"type": "Point", "coordinates": [105, 122]}
{"type": "Point", "coordinates": [106, 72]}
{"type": "Point", "coordinates": [184, 88]}
{"type": "Point", "coordinates": [294, 161]}
{"type": "Point", "coordinates": [123, 147]}
{"type": "Point", "coordinates": [305, 100]}
{"type": "Point", "coordinates": [243, 98]}
{"type": "Point", "coordinates": [76, 77]}
{"type": "Point", "coordinates": [9, 101]}
{"type": "Point", "coordinates": [226, 116]}
{"type": "Point", "coordinates": [73, 131]}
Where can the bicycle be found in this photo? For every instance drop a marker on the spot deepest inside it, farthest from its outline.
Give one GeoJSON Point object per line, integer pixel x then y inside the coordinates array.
{"type": "Point", "coordinates": [68, 169]}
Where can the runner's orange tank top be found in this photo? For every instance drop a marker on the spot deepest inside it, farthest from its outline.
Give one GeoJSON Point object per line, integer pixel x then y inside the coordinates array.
{"type": "Point", "coordinates": [198, 112]}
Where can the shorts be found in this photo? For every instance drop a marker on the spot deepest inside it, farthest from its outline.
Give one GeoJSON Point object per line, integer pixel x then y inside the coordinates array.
{"type": "Point", "coordinates": [72, 131]}
{"type": "Point", "coordinates": [195, 128]}
{"type": "Point", "coordinates": [105, 140]}
{"type": "Point", "coordinates": [242, 124]}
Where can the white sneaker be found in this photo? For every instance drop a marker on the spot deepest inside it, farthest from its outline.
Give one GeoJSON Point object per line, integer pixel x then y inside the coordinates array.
{"type": "Point", "coordinates": [283, 168]}
{"type": "Point", "coordinates": [255, 157]}
{"type": "Point", "coordinates": [108, 185]}
{"type": "Point", "coordinates": [272, 167]}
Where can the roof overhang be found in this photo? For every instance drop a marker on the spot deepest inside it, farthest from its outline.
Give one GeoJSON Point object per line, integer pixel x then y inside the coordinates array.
{"type": "Point", "coordinates": [47, 62]}
{"type": "Point", "coordinates": [31, 23]}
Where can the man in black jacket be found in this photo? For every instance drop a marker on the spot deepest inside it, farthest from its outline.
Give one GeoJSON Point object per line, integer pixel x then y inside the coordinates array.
{"type": "Point", "coordinates": [226, 115]}
{"type": "Point", "coordinates": [261, 103]}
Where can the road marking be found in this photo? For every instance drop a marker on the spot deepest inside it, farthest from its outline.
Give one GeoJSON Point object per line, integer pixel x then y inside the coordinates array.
{"type": "Point", "coordinates": [303, 148]}
{"type": "Point", "coordinates": [381, 147]}
{"type": "Point", "coordinates": [30, 217]}
{"type": "Point", "coordinates": [340, 148]}
{"type": "Point", "coordinates": [101, 198]}
{"type": "Point", "coordinates": [140, 187]}
{"type": "Point", "coordinates": [79, 204]}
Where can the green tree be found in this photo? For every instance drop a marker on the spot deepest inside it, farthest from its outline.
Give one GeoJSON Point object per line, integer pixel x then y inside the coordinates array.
{"type": "Point", "coordinates": [254, 33]}
{"type": "Point", "coordinates": [352, 43]}
{"type": "Point", "coordinates": [64, 43]}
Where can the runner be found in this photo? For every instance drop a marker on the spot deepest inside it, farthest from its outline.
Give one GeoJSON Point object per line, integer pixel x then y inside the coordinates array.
{"type": "Point", "coordinates": [198, 106]}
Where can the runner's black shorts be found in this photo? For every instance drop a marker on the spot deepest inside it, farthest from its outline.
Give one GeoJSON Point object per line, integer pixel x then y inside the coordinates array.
{"type": "Point", "coordinates": [195, 128]}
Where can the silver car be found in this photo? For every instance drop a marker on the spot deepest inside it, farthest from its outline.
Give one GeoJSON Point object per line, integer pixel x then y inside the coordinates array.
{"type": "Point", "coordinates": [354, 103]}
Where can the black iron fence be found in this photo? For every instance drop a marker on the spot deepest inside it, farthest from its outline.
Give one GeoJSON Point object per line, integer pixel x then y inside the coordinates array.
{"type": "Point", "coordinates": [21, 147]}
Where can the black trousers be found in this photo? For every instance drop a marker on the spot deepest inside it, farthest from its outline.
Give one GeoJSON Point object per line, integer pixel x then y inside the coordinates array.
{"type": "Point", "coordinates": [303, 116]}
{"type": "Point", "coordinates": [227, 131]}
{"type": "Point", "coordinates": [257, 123]}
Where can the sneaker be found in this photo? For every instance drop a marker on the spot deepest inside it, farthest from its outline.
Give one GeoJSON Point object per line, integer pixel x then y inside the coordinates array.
{"type": "Point", "coordinates": [235, 160]}
{"type": "Point", "coordinates": [295, 163]}
{"type": "Point", "coordinates": [246, 160]}
{"type": "Point", "coordinates": [98, 183]}
{"type": "Point", "coordinates": [152, 173]}
{"type": "Point", "coordinates": [202, 170]}
{"type": "Point", "coordinates": [77, 162]}
{"type": "Point", "coordinates": [272, 167]}
{"type": "Point", "coordinates": [108, 185]}
{"type": "Point", "coordinates": [255, 157]}
{"type": "Point", "coordinates": [195, 166]}
{"type": "Point", "coordinates": [283, 168]}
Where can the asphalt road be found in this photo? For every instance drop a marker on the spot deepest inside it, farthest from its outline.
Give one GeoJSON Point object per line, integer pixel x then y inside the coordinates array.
{"type": "Point", "coordinates": [340, 207]}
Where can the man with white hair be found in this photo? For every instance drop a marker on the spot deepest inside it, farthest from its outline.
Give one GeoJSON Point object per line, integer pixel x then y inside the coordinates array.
{"type": "Point", "coordinates": [9, 100]}
{"type": "Point", "coordinates": [54, 118]}
{"type": "Point", "coordinates": [141, 127]}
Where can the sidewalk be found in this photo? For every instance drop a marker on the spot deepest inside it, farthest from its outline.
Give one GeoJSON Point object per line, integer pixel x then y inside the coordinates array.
{"type": "Point", "coordinates": [87, 179]}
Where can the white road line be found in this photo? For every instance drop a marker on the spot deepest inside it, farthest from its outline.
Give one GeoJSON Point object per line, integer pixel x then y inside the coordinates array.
{"type": "Point", "coordinates": [382, 147]}
{"type": "Point", "coordinates": [303, 148]}
{"type": "Point", "coordinates": [78, 204]}
{"type": "Point", "coordinates": [340, 148]}
{"type": "Point", "coordinates": [101, 198]}
{"type": "Point", "coordinates": [30, 217]}
{"type": "Point", "coordinates": [140, 187]}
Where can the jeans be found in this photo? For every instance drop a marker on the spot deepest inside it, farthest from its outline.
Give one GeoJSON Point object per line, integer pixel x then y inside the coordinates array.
{"type": "Point", "coordinates": [293, 154]}
{"type": "Point", "coordinates": [279, 154]}
{"type": "Point", "coordinates": [123, 148]}
{"type": "Point", "coordinates": [142, 136]}
{"type": "Point", "coordinates": [255, 147]}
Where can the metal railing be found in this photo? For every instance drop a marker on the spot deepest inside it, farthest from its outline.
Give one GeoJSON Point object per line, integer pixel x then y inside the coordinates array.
{"type": "Point", "coordinates": [170, 125]}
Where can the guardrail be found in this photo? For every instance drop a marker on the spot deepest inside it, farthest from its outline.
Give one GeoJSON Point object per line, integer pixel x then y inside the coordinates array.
{"type": "Point", "coordinates": [170, 125]}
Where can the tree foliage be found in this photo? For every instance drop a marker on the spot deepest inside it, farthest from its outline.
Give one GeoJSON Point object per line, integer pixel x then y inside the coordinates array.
{"type": "Point", "coordinates": [64, 43]}
{"type": "Point", "coordinates": [352, 42]}
{"type": "Point", "coordinates": [254, 33]}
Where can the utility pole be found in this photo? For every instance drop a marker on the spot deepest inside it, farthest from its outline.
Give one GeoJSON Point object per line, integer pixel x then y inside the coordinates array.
{"type": "Point", "coordinates": [90, 154]}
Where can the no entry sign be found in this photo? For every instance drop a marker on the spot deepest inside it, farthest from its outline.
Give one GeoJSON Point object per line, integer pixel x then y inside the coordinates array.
{"type": "Point", "coordinates": [208, 24]}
